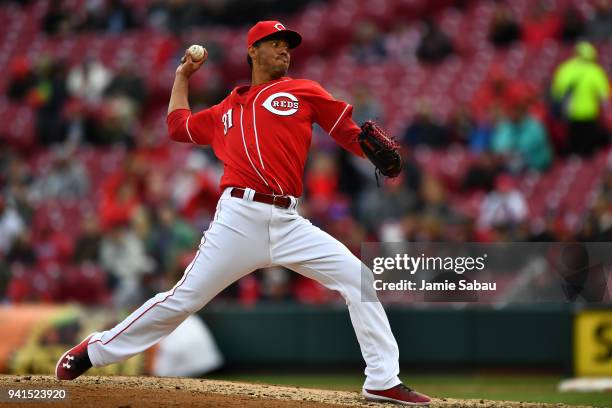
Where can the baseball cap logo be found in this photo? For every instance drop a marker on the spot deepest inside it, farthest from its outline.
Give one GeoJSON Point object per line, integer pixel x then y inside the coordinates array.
{"type": "Point", "coordinates": [279, 27]}
{"type": "Point", "coordinates": [281, 103]}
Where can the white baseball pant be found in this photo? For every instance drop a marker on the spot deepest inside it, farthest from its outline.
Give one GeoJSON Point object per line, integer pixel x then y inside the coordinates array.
{"type": "Point", "coordinates": [246, 235]}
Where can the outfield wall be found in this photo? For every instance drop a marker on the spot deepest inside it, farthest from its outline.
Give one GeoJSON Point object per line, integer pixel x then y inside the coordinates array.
{"type": "Point", "coordinates": [474, 336]}
{"type": "Point", "coordinates": [290, 336]}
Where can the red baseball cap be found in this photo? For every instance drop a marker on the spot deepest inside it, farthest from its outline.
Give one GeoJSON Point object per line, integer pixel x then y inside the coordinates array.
{"type": "Point", "coordinates": [264, 29]}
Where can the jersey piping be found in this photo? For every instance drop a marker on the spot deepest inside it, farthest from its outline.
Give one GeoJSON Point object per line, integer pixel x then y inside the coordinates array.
{"type": "Point", "coordinates": [339, 117]}
{"type": "Point", "coordinates": [246, 151]}
{"type": "Point", "coordinates": [187, 127]}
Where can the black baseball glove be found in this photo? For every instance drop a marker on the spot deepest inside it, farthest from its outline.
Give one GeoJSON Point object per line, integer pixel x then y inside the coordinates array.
{"type": "Point", "coordinates": [382, 150]}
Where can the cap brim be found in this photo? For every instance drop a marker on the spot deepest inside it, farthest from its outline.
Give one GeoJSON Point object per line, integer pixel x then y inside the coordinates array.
{"type": "Point", "coordinates": [293, 37]}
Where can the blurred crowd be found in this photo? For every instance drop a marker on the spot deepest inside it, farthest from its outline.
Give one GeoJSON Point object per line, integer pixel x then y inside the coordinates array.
{"type": "Point", "coordinates": [129, 231]}
{"type": "Point", "coordinates": [117, 16]}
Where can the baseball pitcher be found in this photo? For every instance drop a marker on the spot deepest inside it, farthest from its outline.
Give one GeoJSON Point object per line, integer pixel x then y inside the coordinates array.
{"type": "Point", "coordinates": [262, 134]}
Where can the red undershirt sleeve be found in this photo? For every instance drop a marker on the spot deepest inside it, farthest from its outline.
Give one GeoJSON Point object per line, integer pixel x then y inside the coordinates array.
{"type": "Point", "coordinates": [199, 128]}
{"type": "Point", "coordinates": [176, 121]}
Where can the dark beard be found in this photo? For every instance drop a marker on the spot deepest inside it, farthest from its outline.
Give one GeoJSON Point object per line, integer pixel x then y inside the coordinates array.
{"type": "Point", "coordinates": [278, 72]}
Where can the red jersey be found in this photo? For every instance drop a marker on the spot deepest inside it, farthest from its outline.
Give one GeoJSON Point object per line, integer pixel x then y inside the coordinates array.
{"type": "Point", "coordinates": [262, 133]}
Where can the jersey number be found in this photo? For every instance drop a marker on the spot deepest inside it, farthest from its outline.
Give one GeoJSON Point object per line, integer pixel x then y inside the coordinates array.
{"type": "Point", "coordinates": [227, 121]}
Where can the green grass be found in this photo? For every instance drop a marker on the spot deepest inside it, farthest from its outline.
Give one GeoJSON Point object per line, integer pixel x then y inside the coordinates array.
{"type": "Point", "coordinates": [541, 388]}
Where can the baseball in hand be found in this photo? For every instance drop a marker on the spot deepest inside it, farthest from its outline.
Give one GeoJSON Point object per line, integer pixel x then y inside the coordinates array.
{"type": "Point", "coordinates": [196, 52]}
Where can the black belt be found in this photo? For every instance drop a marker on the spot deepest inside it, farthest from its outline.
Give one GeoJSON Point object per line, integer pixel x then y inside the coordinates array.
{"type": "Point", "coordinates": [275, 200]}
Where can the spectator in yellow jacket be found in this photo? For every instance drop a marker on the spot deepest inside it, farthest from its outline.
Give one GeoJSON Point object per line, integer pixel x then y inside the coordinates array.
{"type": "Point", "coordinates": [580, 87]}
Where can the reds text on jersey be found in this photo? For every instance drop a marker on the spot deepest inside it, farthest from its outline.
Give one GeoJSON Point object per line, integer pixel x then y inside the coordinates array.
{"type": "Point", "coordinates": [262, 134]}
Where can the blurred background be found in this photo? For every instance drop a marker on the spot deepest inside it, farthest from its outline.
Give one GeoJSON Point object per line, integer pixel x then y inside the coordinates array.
{"type": "Point", "coordinates": [501, 107]}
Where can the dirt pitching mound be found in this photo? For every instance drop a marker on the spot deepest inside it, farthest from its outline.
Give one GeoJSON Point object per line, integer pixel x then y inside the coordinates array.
{"type": "Point", "coordinates": [133, 392]}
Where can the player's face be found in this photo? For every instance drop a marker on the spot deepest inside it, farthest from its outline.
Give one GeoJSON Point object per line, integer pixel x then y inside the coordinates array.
{"type": "Point", "coordinates": [273, 57]}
